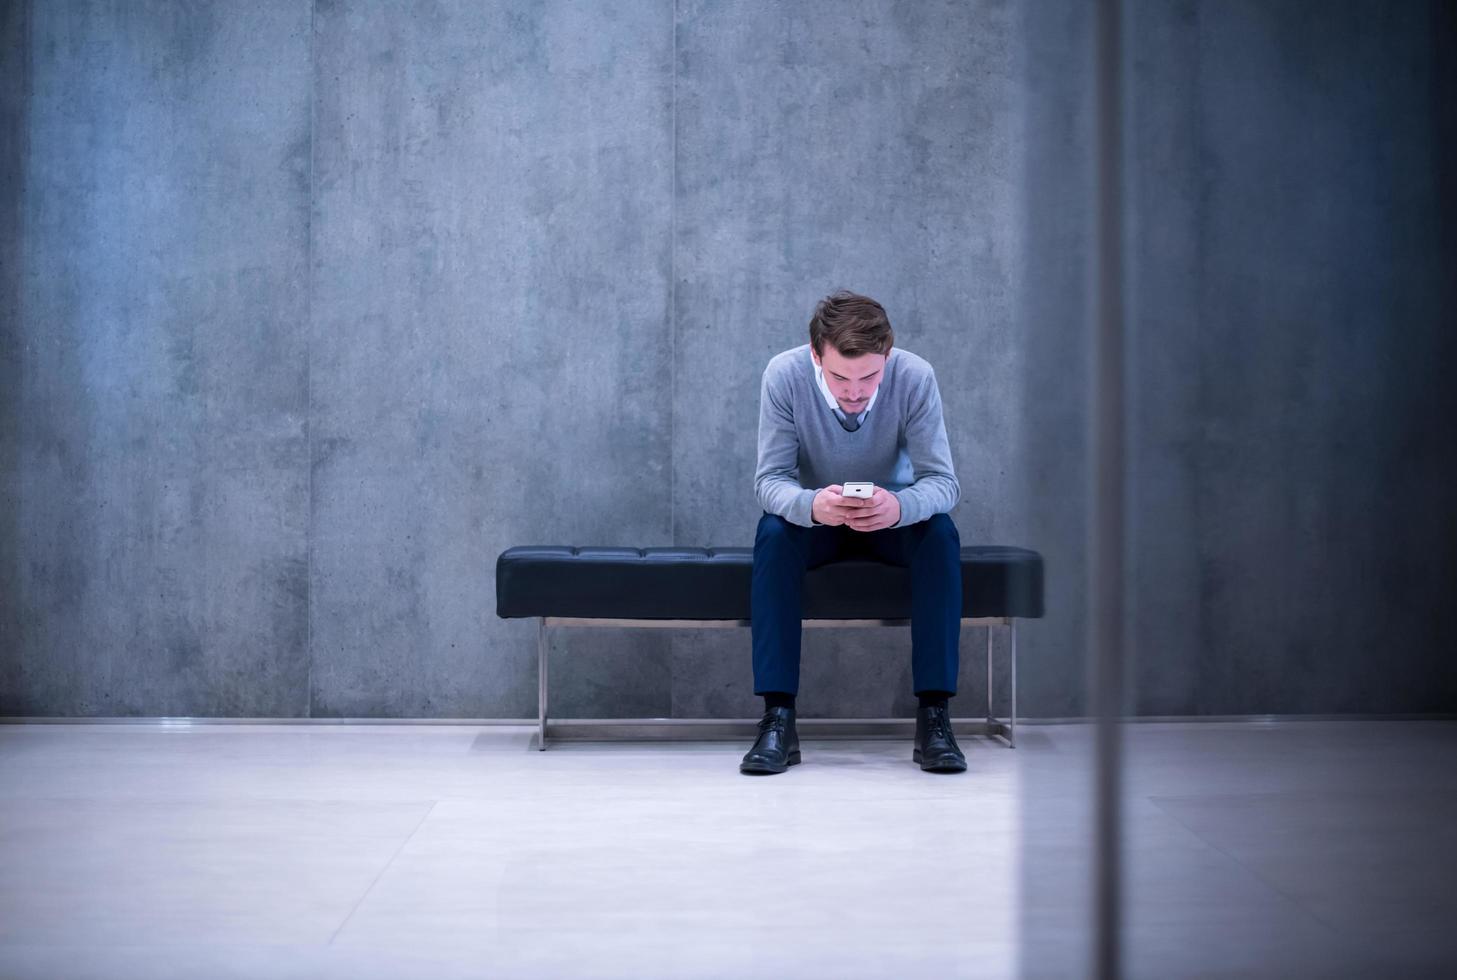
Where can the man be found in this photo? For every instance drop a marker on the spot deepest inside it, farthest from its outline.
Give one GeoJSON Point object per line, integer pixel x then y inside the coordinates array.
{"type": "Point", "coordinates": [848, 406]}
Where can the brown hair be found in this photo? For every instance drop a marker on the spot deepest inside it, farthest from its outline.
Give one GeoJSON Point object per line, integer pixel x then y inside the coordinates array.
{"type": "Point", "coordinates": [852, 324]}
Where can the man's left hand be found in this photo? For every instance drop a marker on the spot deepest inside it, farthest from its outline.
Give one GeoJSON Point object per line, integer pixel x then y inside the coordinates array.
{"type": "Point", "coordinates": [884, 511]}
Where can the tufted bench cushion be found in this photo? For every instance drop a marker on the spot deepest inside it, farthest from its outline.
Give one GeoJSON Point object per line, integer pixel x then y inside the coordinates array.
{"type": "Point", "coordinates": [713, 584]}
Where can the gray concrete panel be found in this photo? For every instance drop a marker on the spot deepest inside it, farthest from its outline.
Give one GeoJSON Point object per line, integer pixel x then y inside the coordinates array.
{"type": "Point", "coordinates": [1325, 463]}
{"type": "Point", "coordinates": [14, 103]}
{"type": "Point", "coordinates": [161, 493]}
{"type": "Point", "coordinates": [491, 357]}
{"type": "Point", "coordinates": [822, 146]}
{"type": "Point", "coordinates": [819, 146]}
{"type": "Point", "coordinates": [1055, 214]}
{"type": "Point", "coordinates": [1165, 321]}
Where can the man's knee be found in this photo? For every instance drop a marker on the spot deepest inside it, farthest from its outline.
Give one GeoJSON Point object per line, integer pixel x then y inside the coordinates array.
{"type": "Point", "coordinates": [774, 531]}
{"type": "Point", "coordinates": [942, 524]}
{"type": "Point", "coordinates": [941, 533]}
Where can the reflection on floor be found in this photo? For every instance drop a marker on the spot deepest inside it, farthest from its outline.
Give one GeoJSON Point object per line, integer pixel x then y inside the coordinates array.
{"type": "Point", "coordinates": [1288, 849]}
{"type": "Point", "coordinates": [1280, 850]}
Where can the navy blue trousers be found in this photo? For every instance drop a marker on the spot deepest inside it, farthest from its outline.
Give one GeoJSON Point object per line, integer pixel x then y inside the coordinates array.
{"type": "Point", "coordinates": [783, 552]}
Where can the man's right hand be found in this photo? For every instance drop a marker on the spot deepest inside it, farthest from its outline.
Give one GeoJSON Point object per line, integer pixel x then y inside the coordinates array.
{"type": "Point", "coordinates": [832, 507]}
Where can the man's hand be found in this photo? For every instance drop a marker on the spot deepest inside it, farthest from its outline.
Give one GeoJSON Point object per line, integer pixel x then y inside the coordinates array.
{"type": "Point", "coordinates": [882, 510]}
{"type": "Point", "coordinates": [832, 507]}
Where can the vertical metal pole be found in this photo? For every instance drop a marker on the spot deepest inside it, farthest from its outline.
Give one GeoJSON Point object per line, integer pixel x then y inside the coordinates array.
{"type": "Point", "coordinates": [1012, 727]}
{"type": "Point", "coordinates": [1105, 552]}
{"type": "Point", "coordinates": [541, 684]}
{"type": "Point", "coordinates": [990, 717]}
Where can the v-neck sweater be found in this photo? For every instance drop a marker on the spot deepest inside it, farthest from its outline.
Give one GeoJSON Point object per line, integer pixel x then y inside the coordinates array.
{"type": "Point", "coordinates": [901, 446]}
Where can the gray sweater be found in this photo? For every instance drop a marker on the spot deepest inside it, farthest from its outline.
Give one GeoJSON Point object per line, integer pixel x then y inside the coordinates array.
{"type": "Point", "coordinates": [901, 445]}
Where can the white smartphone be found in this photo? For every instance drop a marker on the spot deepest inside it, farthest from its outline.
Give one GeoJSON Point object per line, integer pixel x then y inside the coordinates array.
{"type": "Point", "coordinates": [866, 490]}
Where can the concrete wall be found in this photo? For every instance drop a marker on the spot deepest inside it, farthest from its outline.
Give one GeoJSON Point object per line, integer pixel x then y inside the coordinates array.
{"type": "Point", "coordinates": [1297, 532]}
{"type": "Point", "coordinates": [313, 309]}
{"type": "Point", "coordinates": [155, 556]}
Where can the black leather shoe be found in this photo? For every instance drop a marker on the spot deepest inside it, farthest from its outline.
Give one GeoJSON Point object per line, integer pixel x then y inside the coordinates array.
{"type": "Point", "coordinates": [936, 748]}
{"type": "Point", "coordinates": [777, 747]}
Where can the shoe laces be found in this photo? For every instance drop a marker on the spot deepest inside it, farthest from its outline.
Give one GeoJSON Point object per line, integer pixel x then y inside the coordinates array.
{"type": "Point", "coordinates": [938, 722]}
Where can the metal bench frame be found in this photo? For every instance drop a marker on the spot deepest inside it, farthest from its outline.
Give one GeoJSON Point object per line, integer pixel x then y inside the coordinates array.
{"type": "Point", "coordinates": [701, 729]}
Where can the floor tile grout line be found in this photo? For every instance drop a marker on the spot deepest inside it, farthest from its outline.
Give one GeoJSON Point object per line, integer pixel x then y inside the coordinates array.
{"type": "Point", "coordinates": [1297, 903]}
{"type": "Point", "coordinates": [387, 865]}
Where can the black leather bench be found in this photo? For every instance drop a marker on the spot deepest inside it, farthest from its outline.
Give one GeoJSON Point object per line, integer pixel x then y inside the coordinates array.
{"type": "Point", "coordinates": [709, 587]}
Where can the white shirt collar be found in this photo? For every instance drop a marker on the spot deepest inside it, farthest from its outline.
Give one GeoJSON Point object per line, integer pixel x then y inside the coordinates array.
{"type": "Point", "coordinates": [830, 398]}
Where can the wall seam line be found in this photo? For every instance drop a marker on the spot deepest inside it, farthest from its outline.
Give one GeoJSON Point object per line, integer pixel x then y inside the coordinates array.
{"type": "Point", "coordinates": [673, 326]}
{"type": "Point", "coordinates": [309, 379]}
{"type": "Point", "coordinates": [673, 295]}
{"type": "Point", "coordinates": [1200, 207]}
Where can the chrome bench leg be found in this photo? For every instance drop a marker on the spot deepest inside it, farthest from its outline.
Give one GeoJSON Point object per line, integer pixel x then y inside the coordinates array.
{"type": "Point", "coordinates": [1012, 727]}
{"type": "Point", "coordinates": [990, 716]}
{"type": "Point", "coordinates": [1009, 730]}
{"type": "Point", "coordinates": [541, 684]}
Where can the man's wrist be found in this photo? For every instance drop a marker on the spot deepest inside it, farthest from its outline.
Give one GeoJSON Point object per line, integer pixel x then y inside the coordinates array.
{"type": "Point", "coordinates": [810, 508]}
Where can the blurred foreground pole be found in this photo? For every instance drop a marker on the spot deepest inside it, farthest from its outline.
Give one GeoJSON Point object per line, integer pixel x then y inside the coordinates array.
{"type": "Point", "coordinates": [1105, 554]}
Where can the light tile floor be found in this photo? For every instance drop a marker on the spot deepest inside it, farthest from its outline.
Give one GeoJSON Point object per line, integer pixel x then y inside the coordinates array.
{"type": "Point", "coordinates": [1264, 850]}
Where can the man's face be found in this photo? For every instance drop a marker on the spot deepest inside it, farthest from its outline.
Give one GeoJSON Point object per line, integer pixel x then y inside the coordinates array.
{"type": "Point", "coordinates": [852, 380]}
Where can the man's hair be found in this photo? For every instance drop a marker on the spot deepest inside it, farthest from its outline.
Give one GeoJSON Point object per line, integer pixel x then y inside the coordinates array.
{"type": "Point", "coordinates": [852, 324]}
